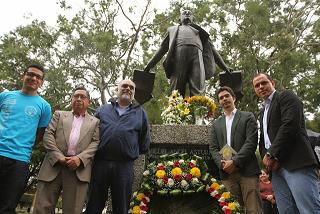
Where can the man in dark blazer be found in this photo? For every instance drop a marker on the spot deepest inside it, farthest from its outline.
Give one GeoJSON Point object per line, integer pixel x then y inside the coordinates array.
{"type": "Point", "coordinates": [71, 141]}
{"type": "Point", "coordinates": [286, 150]}
{"type": "Point", "coordinates": [238, 130]}
{"type": "Point", "coordinates": [191, 56]}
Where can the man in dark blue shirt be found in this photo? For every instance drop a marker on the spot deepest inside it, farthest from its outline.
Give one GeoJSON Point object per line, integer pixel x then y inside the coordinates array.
{"type": "Point", "coordinates": [124, 135]}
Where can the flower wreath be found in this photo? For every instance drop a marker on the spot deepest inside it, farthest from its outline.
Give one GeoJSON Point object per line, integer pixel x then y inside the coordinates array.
{"type": "Point", "coordinates": [180, 174]}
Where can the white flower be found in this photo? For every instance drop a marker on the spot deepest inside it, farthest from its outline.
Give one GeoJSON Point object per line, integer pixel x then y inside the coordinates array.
{"type": "Point", "coordinates": [224, 208]}
{"type": "Point", "coordinates": [181, 161]}
{"type": "Point", "coordinates": [184, 184]}
{"type": "Point", "coordinates": [170, 163]}
{"type": "Point", "coordinates": [214, 193]}
{"type": "Point", "coordinates": [170, 182]}
{"type": "Point", "coordinates": [135, 194]}
{"type": "Point", "coordinates": [160, 182]}
{"type": "Point", "coordinates": [146, 173]}
{"type": "Point", "coordinates": [194, 162]}
{"type": "Point", "coordinates": [194, 181]}
{"type": "Point", "coordinates": [222, 186]}
{"type": "Point", "coordinates": [147, 198]}
{"type": "Point", "coordinates": [221, 199]}
{"type": "Point", "coordinates": [213, 180]}
{"type": "Point", "coordinates": [160, 164]}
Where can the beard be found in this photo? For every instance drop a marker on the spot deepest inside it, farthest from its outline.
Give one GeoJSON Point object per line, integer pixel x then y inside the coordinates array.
{"type": "Point", "coordinates": [126, 98]}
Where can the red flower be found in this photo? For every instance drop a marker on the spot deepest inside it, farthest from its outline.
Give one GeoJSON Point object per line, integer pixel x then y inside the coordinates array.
{"type": "Point", "coordinates": [223, 203]}
{"type": "Point", "coordinates": [145, 201]}
{"type": "Point", "coordinates": [217, 196]}
{"type": "Point", "coordinates": [176, 164]}
{"type": "Point", "coordinates": [210, 190]}
{"type": "Point", "coordinates": [191, 165]}
{"type": "Point", "coordinates": [188, 177]}
{"type": "Point", "coordinates": [178, 177]}
{"type": "Point", "coordinates": [148, 194]}
{"type": "Point", "coordinates": [165, 179]}
{"type": "Point", "coordinates": [143, 208]}
{"type": "Point", "coordinates": [227, 211]}
{"type": "Point", "coordinates": [161, 167]}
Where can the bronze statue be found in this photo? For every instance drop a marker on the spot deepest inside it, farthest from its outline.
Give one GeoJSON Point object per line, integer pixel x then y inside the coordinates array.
{"type": "Point", "coordinates": [191, 56]}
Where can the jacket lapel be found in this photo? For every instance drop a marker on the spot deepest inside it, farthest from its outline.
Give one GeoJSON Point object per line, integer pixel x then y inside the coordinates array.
{"type": "Point", "coordinates": [235, 122]}
{"type": "Point", "coordinates": [85, 127]}
{"type": "Point", "coordinates": [67, 125]}
{"type": "Point", "coordinates": [224, 130]}
{"type": "Point", "coordinates": [271, 107]}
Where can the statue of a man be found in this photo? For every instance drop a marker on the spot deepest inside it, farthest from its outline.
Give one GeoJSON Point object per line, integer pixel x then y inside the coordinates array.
{"type": "Point", "coordinates": [191, 56]}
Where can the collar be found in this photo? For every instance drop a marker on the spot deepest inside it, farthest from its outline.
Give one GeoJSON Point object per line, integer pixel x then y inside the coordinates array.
{"type": "Point", "coordinates": [81, 115]}
{"type": "Point", "coordinates": [232, 113]}
{"type": "Point", "coordinates": [269, 99]}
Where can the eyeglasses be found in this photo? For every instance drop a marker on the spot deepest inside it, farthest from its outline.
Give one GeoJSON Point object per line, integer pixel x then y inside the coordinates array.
{"type": "Point", "coordinates": [81, 96]}
{"type": "Point", "coordinates": [31, 75]}
{"type": "Point", "coordinates": [127, 85]}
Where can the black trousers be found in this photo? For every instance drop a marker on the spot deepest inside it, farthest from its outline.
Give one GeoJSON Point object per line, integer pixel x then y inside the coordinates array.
{"type": "Point", "coordinates": [188, 68]}
{"type": "Point", "coordinates": [14, 175]}
{"type": "Point", "coordinates": [119, 177]}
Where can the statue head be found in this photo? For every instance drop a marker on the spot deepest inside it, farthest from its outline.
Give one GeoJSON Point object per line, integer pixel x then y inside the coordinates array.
{"type": "Point", "coordinates": [186, 16]}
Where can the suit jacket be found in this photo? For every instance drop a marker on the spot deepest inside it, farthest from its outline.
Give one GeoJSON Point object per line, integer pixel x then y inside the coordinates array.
{"type": "Point", "coordinates": [244, 140]}
{"type": "Point", "coordinates": [209, 54]}
{"type": "Point", "coordinates": [56, 139]}
{"type": "Point", "coordinates": [287, 133]}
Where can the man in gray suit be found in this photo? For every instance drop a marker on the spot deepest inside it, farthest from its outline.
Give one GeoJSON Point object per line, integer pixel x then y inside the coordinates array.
{"type": "Point", "coordinates": [71, 141]}
{"type": "Point", "coordinates": [239, 172]}
{"type": "Point", "coordinates": [191, 56]}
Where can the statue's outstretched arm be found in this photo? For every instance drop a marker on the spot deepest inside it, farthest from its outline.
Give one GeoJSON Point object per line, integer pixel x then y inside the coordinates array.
{"type": "Point", "coordinates": [218, 59]}
{"type": "Point", "coordinates": [164, 47]}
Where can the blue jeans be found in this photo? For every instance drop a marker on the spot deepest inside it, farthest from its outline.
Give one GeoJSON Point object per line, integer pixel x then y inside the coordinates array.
{"type": "Point", "coordinates": [13, 179]}
{"type": "Point", "coordinates": [296, 191]}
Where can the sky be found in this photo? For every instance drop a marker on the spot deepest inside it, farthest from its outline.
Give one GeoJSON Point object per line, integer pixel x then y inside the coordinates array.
{"type": "Point", "coordinates": [14, 13]}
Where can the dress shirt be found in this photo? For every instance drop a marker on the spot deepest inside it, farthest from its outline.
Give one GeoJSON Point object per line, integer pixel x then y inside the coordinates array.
{"type": "Point", "coordinates": [229, 120]}
{"type": "Point", "coordinates": [266, 105]}
{"type": "Point", "coordinates": [75, 134]}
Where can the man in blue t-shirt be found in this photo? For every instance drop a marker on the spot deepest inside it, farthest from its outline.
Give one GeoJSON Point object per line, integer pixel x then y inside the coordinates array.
{"type": "Point", "coordinates": [24, 115]}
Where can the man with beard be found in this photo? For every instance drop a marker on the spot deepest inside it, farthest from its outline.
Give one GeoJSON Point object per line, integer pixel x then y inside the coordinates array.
{"type": "Point", "coordinates": [71, 141]}
{"type": "Point", "coordinates": [236, 132]}
{"type": "Point", "coordinates": [24, 115]}
{"type": "Point", "coordinates": [191, 56]}
{"type": "Point", "coordinates": [124, 134]}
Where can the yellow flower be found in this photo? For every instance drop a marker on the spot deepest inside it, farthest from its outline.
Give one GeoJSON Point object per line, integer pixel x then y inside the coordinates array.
{"type": "Point", "coordinates": [176, 171]}
{"type": "Point", "coordinates": [232, 205]}
{"type": "Point", "coordinates": [136, 210]}
{"type": "Point", "coordinates": [226, 195]}
{"type": "Point", "coordinates": [195, 172]}
{"type": "Point", "coordinates": [140, 196]}
{"type": "Point", "coordinates": [160, 173]}
{"type": "Point", "coordinates": [186, 111]}
{"type": "Point", "coordinates": [215, 186]}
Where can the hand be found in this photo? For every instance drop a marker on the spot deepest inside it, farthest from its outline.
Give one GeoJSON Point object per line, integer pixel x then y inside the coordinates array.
{"type": "Point", "coordinates": [62, 161]}
{"type": "Point", "coordinates": [228, 166]}
{"type": "Point", "coordinates": [73, 162]}
{"type": "Point", "coordinates": [269, 197]}
{"type": "Point", "coordinates": [271, 164]}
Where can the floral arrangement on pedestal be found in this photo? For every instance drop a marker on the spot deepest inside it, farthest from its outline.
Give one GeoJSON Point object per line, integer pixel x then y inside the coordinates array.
{"type": "Point", "coordinates": [187, 110]}
{"type": "Point", "coordinates": [180, 174]}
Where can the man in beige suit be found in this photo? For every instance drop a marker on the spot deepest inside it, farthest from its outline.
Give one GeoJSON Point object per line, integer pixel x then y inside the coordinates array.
{"type": "Point", "coordinates": [71, 141]}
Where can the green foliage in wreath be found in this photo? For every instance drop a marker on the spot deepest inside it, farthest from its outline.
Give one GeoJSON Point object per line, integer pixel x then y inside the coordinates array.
{"type": "Point", "coordinates": [180, 175]}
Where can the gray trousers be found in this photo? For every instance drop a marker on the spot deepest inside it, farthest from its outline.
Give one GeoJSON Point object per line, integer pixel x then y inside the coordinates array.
{"type": "Point", "coordinates": [188, 69]}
